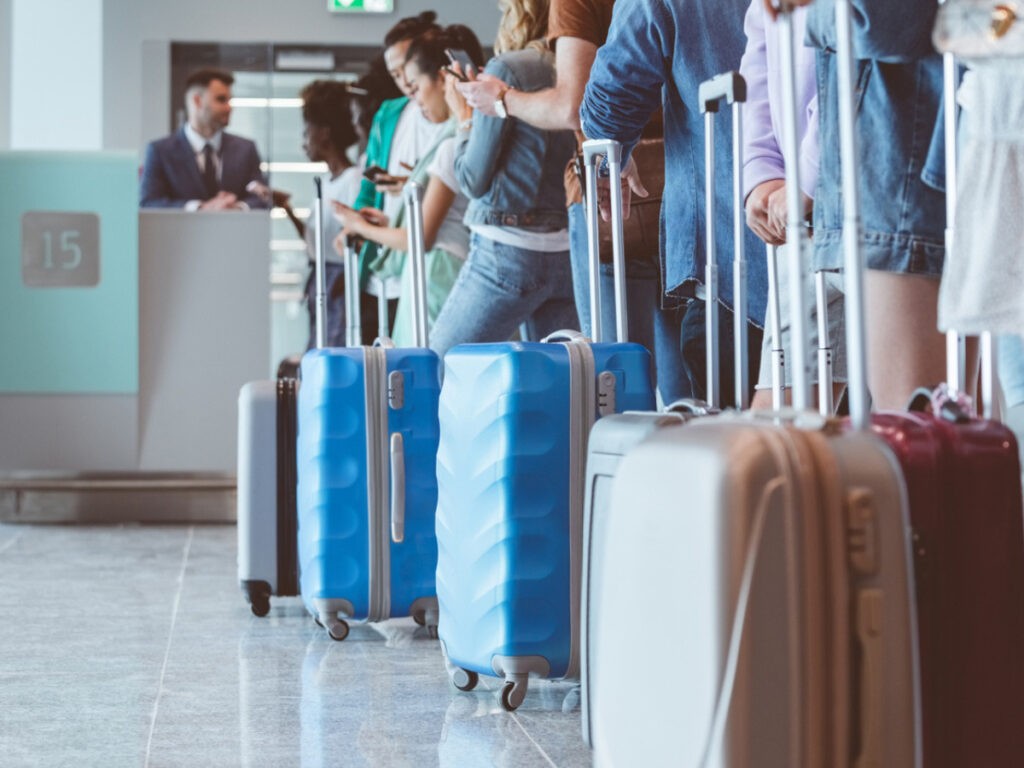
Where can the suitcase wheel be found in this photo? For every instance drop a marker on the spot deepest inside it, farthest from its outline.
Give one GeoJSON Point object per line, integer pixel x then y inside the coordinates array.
{"type": "Point", "coordinates": [259, 599]}
{"type": "Point", "coordinates": [513, 692]}
{"type": "Point", "coordinates": [464, 679]}
{"type": "Point", "coordinates": [338, 630]}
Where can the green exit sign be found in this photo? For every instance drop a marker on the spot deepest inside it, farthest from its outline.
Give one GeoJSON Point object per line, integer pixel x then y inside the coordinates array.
{"type": "Point", "coordinates": [360, 6]}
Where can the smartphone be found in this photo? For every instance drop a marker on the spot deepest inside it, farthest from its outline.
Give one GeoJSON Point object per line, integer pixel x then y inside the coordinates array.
{"type": "Point", "coordinates": [373, 172]}
{"type": "Point", "coordinates": [460, 57]}
{"type": "Point", "coordinates": [457, 75]}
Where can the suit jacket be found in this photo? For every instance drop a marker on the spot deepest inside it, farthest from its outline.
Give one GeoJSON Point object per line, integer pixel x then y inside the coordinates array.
{"type": "Point", "coordinates": [170, 176]}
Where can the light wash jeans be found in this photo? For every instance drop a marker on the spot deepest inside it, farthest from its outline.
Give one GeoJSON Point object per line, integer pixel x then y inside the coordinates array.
{"type": "Point", "coordinates": [501, 287]}
{"type": "Point", "coordinates": [656, 329]}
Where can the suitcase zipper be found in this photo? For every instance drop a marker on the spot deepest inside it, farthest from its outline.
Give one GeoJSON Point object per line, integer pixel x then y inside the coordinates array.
{"type": "Point", "coordinates": [375, 359]}
{"type": "Point", "coordinates": [582, 410]}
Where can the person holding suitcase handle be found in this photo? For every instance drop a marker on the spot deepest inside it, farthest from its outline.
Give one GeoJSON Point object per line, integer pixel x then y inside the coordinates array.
{"type": "Point", "coordinates": [900, 81]}
{"type": "Point", "coordinates": [657, 55]}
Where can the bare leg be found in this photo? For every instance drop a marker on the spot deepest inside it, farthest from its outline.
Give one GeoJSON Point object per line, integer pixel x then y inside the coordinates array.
{"type": "Point", "coordinates": [905, 348]}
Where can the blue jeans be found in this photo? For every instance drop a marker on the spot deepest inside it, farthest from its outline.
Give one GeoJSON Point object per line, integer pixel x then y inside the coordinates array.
{"type": "Point", "coordinates": [695, 351]}
{"type": "Point", "coordinates": [501, 287]}
{"type": "Point", "coordinates": [903, 218]}
{"type": "Point", "coordinates": [655, 328]}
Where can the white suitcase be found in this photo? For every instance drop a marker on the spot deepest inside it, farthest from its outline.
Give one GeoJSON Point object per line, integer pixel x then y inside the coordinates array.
{"type": "Point", "coordinates": [267, 545]}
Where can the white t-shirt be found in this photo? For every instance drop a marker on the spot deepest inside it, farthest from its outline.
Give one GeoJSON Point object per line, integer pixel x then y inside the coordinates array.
{"type": "Point", "coordinates": [545, 242]}
{"type": "Point", "coordinates": [414, 136]}
{"type": "Point", "coordinates": [453, 235]}
{"type": "Point", "coordinates": [344, 188]}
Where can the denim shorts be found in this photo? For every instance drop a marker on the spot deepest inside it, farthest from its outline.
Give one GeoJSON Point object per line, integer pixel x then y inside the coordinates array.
{"type": "Point", "coordinates": [903, 219]}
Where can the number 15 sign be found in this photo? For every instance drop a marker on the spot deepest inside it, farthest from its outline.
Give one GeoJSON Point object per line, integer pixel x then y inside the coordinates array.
{"type": "Point", "coordinates": [60, 249]}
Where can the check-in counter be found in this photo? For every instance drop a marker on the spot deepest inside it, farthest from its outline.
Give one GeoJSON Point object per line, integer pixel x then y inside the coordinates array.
{"type": "Point", "coordinates": [126, 334]}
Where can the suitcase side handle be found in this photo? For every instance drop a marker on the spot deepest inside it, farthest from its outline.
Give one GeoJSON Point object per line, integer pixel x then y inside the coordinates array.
{"type": "Point", "coordinates": [397, 488]}
{"type": "Point", "coordinates": [611, 150]}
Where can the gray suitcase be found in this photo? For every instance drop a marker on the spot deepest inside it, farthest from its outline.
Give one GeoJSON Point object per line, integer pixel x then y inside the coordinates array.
{"type": "Point", "coordinates": [764, 564]}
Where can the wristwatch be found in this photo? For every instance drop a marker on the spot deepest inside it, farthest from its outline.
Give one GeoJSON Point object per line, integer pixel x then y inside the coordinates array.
{"type": "Point", "coordinates": [499, 104]}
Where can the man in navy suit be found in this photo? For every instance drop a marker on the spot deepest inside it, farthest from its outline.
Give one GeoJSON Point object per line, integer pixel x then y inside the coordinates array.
{"type": "Point", "coordinates": [201, 167]}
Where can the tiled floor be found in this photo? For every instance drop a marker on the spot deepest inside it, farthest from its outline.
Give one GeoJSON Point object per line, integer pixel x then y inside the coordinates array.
{"type": "Point", "coordinates": [133, 646]}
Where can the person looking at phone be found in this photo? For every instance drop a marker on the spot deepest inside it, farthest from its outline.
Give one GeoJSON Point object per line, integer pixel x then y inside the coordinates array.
{"type": "Point", "coordinates": [201, 166]}
{"type": "Point", "coordinates": [446, 239]}
{"type": "Point", "coordinates": [576, 29]}
{"type": "Point", "coordinates": [328, 133]}
{"type": "Point", "coordinates": [518, 269]}
{"type": "Point", "coordinates": [399, 134]}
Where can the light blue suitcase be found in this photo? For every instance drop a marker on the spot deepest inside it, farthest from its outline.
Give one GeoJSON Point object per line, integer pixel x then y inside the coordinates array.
{"type": "Point", "coordinates": [515, 419]}
{"type": "Point", "coordinates": [367, 487]}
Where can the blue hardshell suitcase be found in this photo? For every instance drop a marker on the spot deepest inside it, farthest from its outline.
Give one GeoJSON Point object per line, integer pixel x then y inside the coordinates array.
{"type": "Point", "coordinates": [515, 419]}
{"type": "Point", "coordinates": [514, 424]}
{"type": "Point", "coordinates": [367, 486]}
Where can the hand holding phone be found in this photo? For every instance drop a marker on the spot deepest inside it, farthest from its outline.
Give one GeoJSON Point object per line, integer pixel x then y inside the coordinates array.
{"type": "Point", "coordinates": [373, 172]}
{"type": "Point", "coordinates": [456, 74]}
{"type": "Point", "coordinates": [466, 65]}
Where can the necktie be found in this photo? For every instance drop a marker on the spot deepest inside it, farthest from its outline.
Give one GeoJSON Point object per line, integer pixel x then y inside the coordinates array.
{"type": "Point", "coordinates": [209, 172]}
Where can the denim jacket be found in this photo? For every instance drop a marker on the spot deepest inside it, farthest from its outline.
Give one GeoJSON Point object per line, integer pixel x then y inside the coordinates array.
{"type": "Point", "coordinates": [659, 51]}
{"type": "Point", "coordinates": [899, 123]}
{"type": "Point", "coordinates": [511, 171]}
{"type": "Point", "coordinates": [893, 31]}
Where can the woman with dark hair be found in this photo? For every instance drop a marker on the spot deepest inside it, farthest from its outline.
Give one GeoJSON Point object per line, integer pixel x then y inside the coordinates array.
{"type": "Point", "coordinates": [446, 238]}
{"type": "Point", "coordinates": [328, 133]}
{"type": "Point", "coordinates": [399, 136]}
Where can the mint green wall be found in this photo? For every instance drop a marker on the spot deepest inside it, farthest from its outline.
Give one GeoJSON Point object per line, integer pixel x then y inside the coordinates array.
{"type": "Point", "coordinates": [71, 340]}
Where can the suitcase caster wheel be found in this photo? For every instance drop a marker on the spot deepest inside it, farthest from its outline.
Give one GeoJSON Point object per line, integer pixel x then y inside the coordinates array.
{"type": "Point", "coordinates": [464, 679]}
{"type": "Point", "coordinates": [260, 605]}
{"type": "Point", "coordinates": [512, 695]}
{"type": "Point", "coordinates": [258, 595]}
{"type": "Point", "coordinates": [420, 617]}
{"type": "Point", "coordinates": [338, 631]}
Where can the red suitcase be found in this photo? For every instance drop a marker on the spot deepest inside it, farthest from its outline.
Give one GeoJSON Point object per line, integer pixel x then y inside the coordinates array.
{"type": "Point", "coordinates": [963, 480]}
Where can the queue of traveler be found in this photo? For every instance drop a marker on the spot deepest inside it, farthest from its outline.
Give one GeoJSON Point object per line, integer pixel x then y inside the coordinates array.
{"type": "Point", "coordinates": [496, 147]}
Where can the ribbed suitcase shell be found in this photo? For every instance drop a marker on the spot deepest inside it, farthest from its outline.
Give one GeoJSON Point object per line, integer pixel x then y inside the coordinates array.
{"type": "Point", "coordinates": [963, 482]}
{"type": "Point", "coordinates": [827, 671]}
{"type": "Point", "coordinates": [334, 514]}
{"type": "Point", "coordinates": [503, 520]}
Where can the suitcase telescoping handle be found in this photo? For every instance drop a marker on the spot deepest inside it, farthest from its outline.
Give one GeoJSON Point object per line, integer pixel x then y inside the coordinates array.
{"type": "Point", "coordinates": [799, 336]}
{"type": "Point", "coordinates": [593, 149]}
{"type": "Point", "coordinates": [853, 263]}
{"type": "Point", "coordinates": [731, 88]}
{"type": "Point", "coordinates": [353, 316]}
{"type": "Point", "coordinates": [778, 354]}
{"type": "Point", "coordinates": [413, 193]}
{"type": "Point", "coordinates": [319, 266]}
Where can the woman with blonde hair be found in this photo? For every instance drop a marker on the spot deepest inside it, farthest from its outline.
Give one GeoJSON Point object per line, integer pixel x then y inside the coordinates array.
{"type": "Point", "coordinates": [518, 270]}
